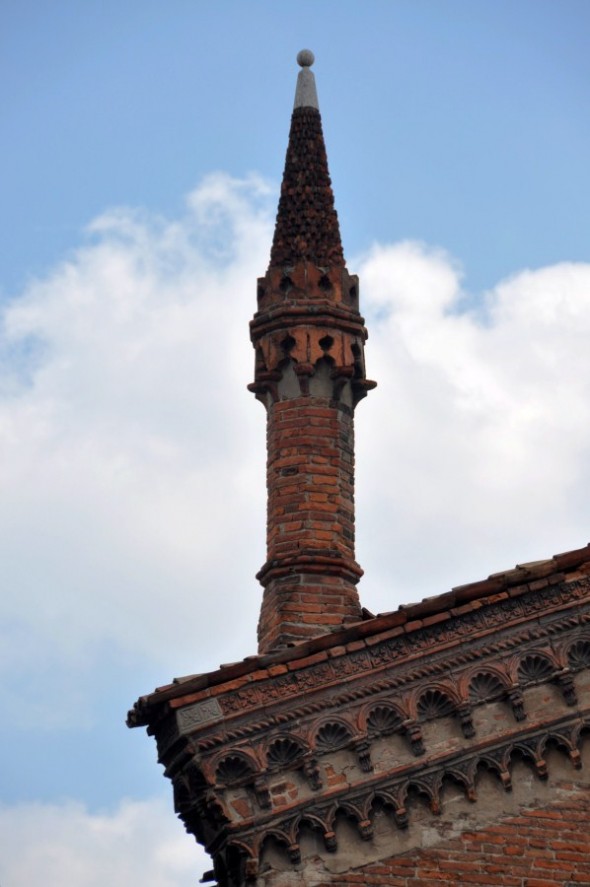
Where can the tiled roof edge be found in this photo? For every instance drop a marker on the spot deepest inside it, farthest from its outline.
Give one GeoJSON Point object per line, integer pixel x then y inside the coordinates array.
{"type": "Point", "coordinates": [484, 592]}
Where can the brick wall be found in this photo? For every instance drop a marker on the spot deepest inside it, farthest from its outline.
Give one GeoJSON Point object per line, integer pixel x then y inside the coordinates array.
{"type": "Point", "coordinates": [537, 834]}
{"type": "Point", "coordinates": [539, 848]}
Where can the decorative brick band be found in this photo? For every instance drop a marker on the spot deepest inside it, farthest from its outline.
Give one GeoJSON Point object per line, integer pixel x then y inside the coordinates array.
{"type": "Point", "coordinates": [388, 651]}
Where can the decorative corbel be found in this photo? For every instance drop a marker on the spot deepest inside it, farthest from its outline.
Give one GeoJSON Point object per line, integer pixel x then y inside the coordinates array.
{"type": "Point", "coordinates": [363, 754]}
{"type": "Point", "coordinates": [516, 700]}
{"type": "Point", "coordinates": [304, 371]}
{"type": "Point", "coordinates": [262, 793]}
{"type": "Point", "coordinates": [414, 733]}
{"type": "Point", "coordinates": [466, 719]}
{"type": "Point", "coordinates": [565, 682]}
{"type": "Point", "coordinates": [266, 383]}
{"type": "Point", "coordinates": [401, 817]}
{"type": "Point", "coordinates": [340, 376]}
{"type": "Point", "coordinates": [330, 842]}
{"type": "Point", "coordinates": [312, 772]}
{"type": "Point", "coordinates": [365, 828]}
{"type": "Point", "coordinates": [251, 871]}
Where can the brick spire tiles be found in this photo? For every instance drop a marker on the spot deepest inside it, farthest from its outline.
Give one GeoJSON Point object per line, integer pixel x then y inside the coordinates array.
{"type": "Point", "coordinates": [307, 224]}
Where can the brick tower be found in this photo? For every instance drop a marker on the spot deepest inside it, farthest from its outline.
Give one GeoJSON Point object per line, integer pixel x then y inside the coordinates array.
{"type": "Point", "coordinates": [309, 340]}
{"type": "Point", "coordinates": [444, 741]}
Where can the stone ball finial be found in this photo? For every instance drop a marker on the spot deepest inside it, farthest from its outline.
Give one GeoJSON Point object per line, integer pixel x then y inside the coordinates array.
{"type": "Point", "coordinates": [305, 58]}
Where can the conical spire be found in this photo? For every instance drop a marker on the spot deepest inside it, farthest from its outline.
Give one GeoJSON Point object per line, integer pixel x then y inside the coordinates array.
{"type": "Point", "coordinates": [307, 224]}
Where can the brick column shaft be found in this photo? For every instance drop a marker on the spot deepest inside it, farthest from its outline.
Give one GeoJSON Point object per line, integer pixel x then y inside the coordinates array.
{"type": "Point", "coordinates": [310, 478]}
{"type": "Point", "coordinates": [310, 576]}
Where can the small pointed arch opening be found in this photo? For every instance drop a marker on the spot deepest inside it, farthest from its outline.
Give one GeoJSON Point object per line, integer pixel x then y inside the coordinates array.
{"type": "Point", "coordinates": [493, 772]}
{"type": "Point", "coordinates": [555, 744]}
{"type": "Point", "coordinates": [287, 344]}
{"type": "Point", "coordinates": [274, 850]}
{"type": "Point", "coordinates": [286, 284]}
{"type": "Point", "coordinates": [455, 786]}
{"type": "Point", "coordinates": [523, 754]}
{"type": "Point", "coordinates": [324, 283]}
{"type": "Point", "coordinates": [419, 799]}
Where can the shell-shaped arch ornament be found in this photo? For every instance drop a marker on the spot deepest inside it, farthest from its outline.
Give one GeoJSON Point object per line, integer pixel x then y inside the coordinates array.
{"type": "Point", "coordinates": [578, 655]}
{"type": "Point", "coordinates": [331, 736]}
{"type": "Point", "coordinates": [285, 752]}
{"type": "Point", "coordinates": [235, 768]}
{"type": "Point", "coordinates": [535, 668]}
{"type": "Point", "coordinates": [486, 686]}
{"type": "Point", "coordinates": [435, 703]}
{"type": "Point", "coordinates": [384, 719]}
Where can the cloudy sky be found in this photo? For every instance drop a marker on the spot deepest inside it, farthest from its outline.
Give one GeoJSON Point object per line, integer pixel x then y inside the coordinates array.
{"type": "Point", "coordinates": [142, 150]}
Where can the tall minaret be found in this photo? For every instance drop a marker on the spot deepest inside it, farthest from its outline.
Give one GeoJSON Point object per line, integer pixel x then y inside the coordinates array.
{"type": "Point", "coordinates": [309, 374]}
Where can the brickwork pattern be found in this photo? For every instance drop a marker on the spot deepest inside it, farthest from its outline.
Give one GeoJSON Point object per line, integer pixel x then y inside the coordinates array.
{"type": "Point", "coordinates": [310, 576]}
{"type": "Point", "coordinates": [310, 478]}
{"type": "Point", "coordinates": [540, 848]}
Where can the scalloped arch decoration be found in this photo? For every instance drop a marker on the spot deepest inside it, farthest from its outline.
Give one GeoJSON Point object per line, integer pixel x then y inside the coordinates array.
{"type": "Point", "coordinates": [579, 655]}
{"type": "Point", "coordinates": [284, 752]}
{"type": "Point", "coordinates": [535, 668]}
{"type": "Point", "coordinates": [484, 687]}
{"type": "Point", "coordinates": [434, 704]}
{"type": "Point", "coordinates": [234, 768]}
{"type": "Point", "coordinates": [383, 720]}
{"type": "Point", "coordinates": [331, 736]}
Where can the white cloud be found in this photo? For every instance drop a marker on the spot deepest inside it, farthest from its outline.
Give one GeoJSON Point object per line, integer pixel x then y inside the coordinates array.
{"type": "Point", "coordinates": [480, 426]}
{"type": "Point", "coordinates": [125, 497]}
{"type": "Point", "coordinates": [130, 514]}
{"type": "Point", "coordinates": [58, 844]}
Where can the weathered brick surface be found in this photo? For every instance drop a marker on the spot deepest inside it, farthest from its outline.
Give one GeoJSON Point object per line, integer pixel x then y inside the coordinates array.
{"type": "Point", "coordinates": [547, 847]}
{"type": "Point", "coordinates": [312, 574]}
{"type": "Point", "coordinates": [310, 478]}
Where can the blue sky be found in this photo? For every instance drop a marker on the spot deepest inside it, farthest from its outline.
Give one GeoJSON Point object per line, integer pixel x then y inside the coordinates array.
{"type": "Point", "coordinates": [142, 150]}
{"type": "Point", "coordinates": [461, 123]}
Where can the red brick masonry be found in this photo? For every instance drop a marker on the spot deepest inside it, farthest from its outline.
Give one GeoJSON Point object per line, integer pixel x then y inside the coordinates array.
{"type": "Point", "coordinates": [541, 848]}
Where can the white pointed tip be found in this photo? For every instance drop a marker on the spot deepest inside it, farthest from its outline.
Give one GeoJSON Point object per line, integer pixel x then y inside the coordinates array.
{"type": "Point", "coordinates": [306, 94]}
